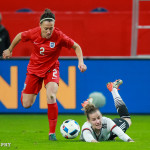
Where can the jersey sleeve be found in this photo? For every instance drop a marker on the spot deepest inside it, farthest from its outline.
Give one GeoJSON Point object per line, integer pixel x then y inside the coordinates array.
{"type": "Point", "coordinates": [26, 36]}
{"type": "Point", "coordinates": [110, 124]}
{"type": "Point", "coordinates": [67, 41]}
{"type": "Point", "coordinates": [87, 136]}
{"type": "Point", "coordinates": [86, 133]}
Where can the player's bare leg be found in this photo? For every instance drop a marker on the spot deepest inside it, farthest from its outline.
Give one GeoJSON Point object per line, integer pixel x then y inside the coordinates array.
{"type": "Point", "coordinates": [51, 91]}
{"type": "Point", "coordinates": [119, 103]}
{"type": "Point", "coordinates": [28, 100]}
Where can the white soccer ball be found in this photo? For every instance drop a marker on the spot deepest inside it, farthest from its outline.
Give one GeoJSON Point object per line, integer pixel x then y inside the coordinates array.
{"type": "Point", "coordinates": [70, 129]}
{"type": "Point", "coordinates": [97, 99]}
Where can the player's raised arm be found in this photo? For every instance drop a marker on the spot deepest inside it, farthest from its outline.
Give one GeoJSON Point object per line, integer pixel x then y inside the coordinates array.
{"type": "Point", "coordinates": [8, 52]}
{"type": "Point", "coordinates": [82, 67]}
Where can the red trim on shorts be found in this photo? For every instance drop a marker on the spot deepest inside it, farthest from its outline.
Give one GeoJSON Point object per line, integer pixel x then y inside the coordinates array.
{"type": "Point", "coordinates": [113, 127]}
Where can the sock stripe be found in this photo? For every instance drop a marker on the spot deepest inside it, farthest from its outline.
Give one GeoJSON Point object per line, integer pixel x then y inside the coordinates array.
{"type": "Point", "coordinates": [118, 101]}
{"type": "Point", "coordinates": [119, 104]}
{"type": "Point", "coordinates": [125, 117]}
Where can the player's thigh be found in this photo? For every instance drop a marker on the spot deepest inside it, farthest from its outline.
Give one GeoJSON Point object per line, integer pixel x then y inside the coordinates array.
{"type": "Point", "coordinates": [51, 82]}
{"type": "Point", "coordinates": [51, 91]}
{"type": "Point", "coordinates": [32, 86]}
{"type": "Point", "coordinates": [122, 123]}
{"type": "Point", "coordinates": [52, 87]}
{"type": "Point", "coordinates": [128, 120]}
{"type": "Point", "coordinates": [28, 99]}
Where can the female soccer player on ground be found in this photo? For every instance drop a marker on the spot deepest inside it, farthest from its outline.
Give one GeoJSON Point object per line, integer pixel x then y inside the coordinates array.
{"type": "Point", "coordinates": [44, 65]}
{"type": "Point", "coordinates": [98, 128]}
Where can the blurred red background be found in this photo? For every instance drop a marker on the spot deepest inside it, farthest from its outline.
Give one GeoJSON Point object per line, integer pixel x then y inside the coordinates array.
{"type": "Point", "coordinates": [98, 33]}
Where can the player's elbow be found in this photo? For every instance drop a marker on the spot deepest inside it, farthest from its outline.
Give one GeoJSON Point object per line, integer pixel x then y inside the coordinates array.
{"type": "Point", "coordinates": [76, 46]}
{"type": "Point", "coordinates": [129, 121]}
{"type": "Point", "coordinates": [18, 36]}
{"type": "Point", "coordinates": [27, 105]}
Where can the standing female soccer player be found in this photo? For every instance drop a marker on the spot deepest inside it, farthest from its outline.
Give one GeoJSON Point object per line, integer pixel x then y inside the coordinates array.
{"type": "Point", "coordinates": [98, 128]}
{"type": "Point", "coordinates": [43, 65]}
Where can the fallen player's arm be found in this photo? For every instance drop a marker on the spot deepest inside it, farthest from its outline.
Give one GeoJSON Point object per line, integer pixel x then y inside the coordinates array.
{"type": "Point", "coordinates": [117, 130]}
{"type": "Point", "coordinates": [88, 136]}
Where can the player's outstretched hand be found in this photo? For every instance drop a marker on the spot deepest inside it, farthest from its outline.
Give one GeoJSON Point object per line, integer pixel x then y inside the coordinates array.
{"type": "Point", "coordinates": [82, 67]}
{"type": "Point", "coordinates": [7, 54]}
{"type": "Point", "coordinates": [130, 140]}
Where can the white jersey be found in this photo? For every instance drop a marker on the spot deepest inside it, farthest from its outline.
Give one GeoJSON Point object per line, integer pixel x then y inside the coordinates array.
{"type": "Point", "coordinates": [107, 126]}
{"type": "Point", "coordinates": [88, 134]}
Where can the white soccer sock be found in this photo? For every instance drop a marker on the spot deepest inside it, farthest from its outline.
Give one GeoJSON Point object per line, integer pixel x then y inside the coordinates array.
{"type": "Point", "coordinates": [119, 104]}
{"type": "Point", "coordinates": [117, 98]}
{"type": "Point", "coordinates": [115, 93]}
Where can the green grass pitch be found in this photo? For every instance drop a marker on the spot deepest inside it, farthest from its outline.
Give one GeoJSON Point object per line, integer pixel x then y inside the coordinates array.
{"type": "Point", "coordinates": [30, 132]}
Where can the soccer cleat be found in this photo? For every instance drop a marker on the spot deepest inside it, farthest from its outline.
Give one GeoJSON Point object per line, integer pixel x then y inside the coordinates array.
{"type": "Point", "coordinates": [116, 84]}
{"type": "Point", "coordinates": [109, 86]}
{"type": "Point", "coordinates": [85, 103]}
{"type": "Point", "coordinates": [52, 137]}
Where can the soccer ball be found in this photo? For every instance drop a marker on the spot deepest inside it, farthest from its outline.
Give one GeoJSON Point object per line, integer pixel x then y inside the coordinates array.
{"type": "Point", "coordinates": [97, 99]}
{"type": "Point", "coordinates": [70, 129]}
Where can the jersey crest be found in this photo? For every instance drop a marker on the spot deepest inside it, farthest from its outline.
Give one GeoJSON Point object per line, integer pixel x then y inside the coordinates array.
{"type": "Point", "coordinates": [52, 44]}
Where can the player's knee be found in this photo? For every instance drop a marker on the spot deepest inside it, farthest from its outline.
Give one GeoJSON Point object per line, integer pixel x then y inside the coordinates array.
{"type": "Point", "coordinates": [129, 121]}
{"type": "Point", "coordinates": [28, 100]}
{"type": "Point", "coordinates": [51, 98]}
{"type": "Point", "coordinates": [26, 104]}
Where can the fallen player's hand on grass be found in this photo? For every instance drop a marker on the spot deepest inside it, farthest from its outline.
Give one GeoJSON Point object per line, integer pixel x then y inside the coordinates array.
{"type": "Point", "coordinates": [130, 140]}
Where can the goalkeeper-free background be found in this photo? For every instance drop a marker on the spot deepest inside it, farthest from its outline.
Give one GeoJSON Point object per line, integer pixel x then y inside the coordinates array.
{"type": "Point", "coordinates": [102, 28]}
{"type": "Point", "coordinates": [75, 86]}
